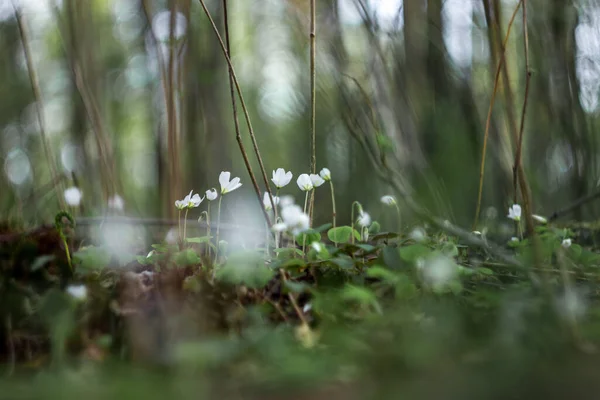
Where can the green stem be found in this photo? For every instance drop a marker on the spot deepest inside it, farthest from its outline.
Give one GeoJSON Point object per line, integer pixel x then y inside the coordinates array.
{"type": "Point", "coordinates": [218, 228]}
{"type": "Point", "coordinates": [179, 223]}
{"type": "Point", "coordinates": [208, 230]}
{"type": "Point", "coordinates": [399, 219]}
{"type": "Point", "coordinates": [352, 217]}
{"type": "Point", "coordinates": [333, 202]}
{"type": "Point", "coordinates": [59, 227]}
{"type": "Point", "coordinates": [185, 225]}
{"type": "Point", "coordinates": [304, 236]}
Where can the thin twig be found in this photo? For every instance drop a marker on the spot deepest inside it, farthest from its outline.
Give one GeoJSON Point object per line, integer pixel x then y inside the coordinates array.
{"type": "Point", "coordinates": [293, 301]}
{"type": "Point", "coordinates": [238, 136]}
{"type": "Point", "coordinates": [39, 104]}
{"type": "Point", "coordinates": [243, 104]}
{"type": "Point", "coordinates": [489, 114]}
{"type": "Point", "coordinates": [518, 166]}
{"type": "Point", "coordinates": [313, 100]}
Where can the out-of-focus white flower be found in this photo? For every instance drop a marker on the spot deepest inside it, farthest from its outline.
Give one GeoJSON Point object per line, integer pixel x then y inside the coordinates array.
{"type": "Point", "coordinates": [514, 239]}
{"type": "Point", "coordinates": [226, 184]}
{"type": "Point", "coordinates": [267, 201]}
{"type": "Point", "coordinates": [305, 183]}
{"type": "Point", "coordinates": [73, 196]}
{"type": "Point", "coordinates": [439, 271]}
{"type": "Point", "coordinates": [307, 307]}
{"type": "Point", "coordinates": [514, 212]}
{"type": "Point", "coordinates": [116, 203]}
{"type": "Point", "coordinates": [478, 233]}
{"type": "Point", "coordinates": [364, 219]}
{"type": "Point", "coordinates": [150, 254]}
{"type": "Point", "coordinates": [294, 220]}
{"type": "Point", "coordinates": [286, 200]}
{"type": "Point", "coordinates": [388, 200]}
{"type": "Point", "coordinates": [325, 174]}
{"type": "Point", "coordinates": [78, 292]}
{"type": "Point", "coordinates": [171, 237]}
{"type": "Point", "coordinates": [316, 180]}
{"type": "Point", "coordinates": [540, 219]}
{"type": "Point", "coordinates": [566, 243]}
{"type": "Point", "coordinates": [281, 178]}
{"type": "Point", "coordinates": [418, 234]}
{"type": "Point", "coordinates": [211, 194]}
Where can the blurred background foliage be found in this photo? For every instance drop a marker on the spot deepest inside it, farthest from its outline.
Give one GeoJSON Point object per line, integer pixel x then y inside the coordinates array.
{"type": "Point", "coordinates": [137, 103]}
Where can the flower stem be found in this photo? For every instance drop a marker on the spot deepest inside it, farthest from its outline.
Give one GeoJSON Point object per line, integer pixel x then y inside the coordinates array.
{"type": "Point", "coordinates": [333, 202]}
{"type": "Point", "coordinates": [305, 201]}
{"type": "Point", "coordinates": [208, 230]}
{"type": "Point", "coordinates": [304, 236]}
{"type": "Point", "coordinates": [218, 228]}
{"type": "Point", "coordinates": [185, 224]}
{"type": "Point", "coordinates": [179, 223]}
{"type": "Point", "coordinates": [352, 217]}
{"type": "Point", "coordinates": [399, 219]}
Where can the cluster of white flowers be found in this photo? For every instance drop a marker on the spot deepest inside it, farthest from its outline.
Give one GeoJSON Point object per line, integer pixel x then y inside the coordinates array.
{"type": "Point", "coordinates": [294, 219]}
{"type": "Point", "coordinates": [192, 200]}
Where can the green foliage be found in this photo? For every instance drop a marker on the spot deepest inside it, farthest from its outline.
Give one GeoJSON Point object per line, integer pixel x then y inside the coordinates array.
{"type": "Point", "coordinates": [342, 234]}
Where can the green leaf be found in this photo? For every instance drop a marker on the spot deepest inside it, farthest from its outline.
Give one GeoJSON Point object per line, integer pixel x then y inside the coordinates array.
{"type": "Point", "coordinates": [322, 228]}
{"type": "Point", "coordinates": [186, 257]}
{"type": "Point", "coordinates": [485, 271]}
{"type": "Point", "coordinates": [374, 228]}
{"type": "Point", "coordinates": [343, 261]}
{"type": "Point", "coordinates": [92, 258]}
{"type": "Point", "coordinates": [245, 268]}
{"type": "Point", "coordinates": [384, 236]}
{"type": "Point", "coordinates": [296, 287]}
{"type": "Point", "coordinates": [449, 249]}
{"type": "Point", "coordinates": [342, 234]}
{"type": "Point", "coordinates": [294, 264]}
{"type": "Point", "coordinates": [201, 239]}
{"type": "Point", "coordinates": [361, 296]}
{"type": "Point", "coordinates": [41, 261]}
{"type": "Point", "coordinates": [391, 257]}
{"type": "Point", "coordinates": [413, 252]}
{"type": "Point", "coordinates": [288, 252]}
{"type": "Point", "coordinates": [382, 274]}
{"type": "Point", "coordinates": [307, 237]}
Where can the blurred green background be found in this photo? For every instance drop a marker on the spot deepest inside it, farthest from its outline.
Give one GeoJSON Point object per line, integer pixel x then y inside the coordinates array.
{"type": "Point", "coordinates": [137, 103]}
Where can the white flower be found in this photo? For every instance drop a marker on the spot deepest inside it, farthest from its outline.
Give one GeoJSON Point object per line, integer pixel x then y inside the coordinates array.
{"type": "Point", "coordinates": [116, 203]}
{"type": "Point", "coordinates": [286, 200]}
{"type": "Point", "coordinates": [514, 212]}
{"type": "Point", "coordinates": [227, 185]}
{"type": "Point", "coordinates": [418, 234]}
{"type": "Point", "coordinates": [316, 180]}
{"type": "Point", "coordinates": [305, 183]}
{"type": "Point", "coordinates": [325, 174]}
{"type": "Point", "coordinates": [279, 227]}
{"type": "Point", "coordinates": [150, 254]}
{"type": "Point", "coordinates": [307, 307]}
{"type": "Point", "coordinates": [478, 233]}
{"type": "Point", "coordinates": [281, 178]}
{"type": "Point", "coordinates": [566, 243]}
{"type": "Point", "coordinates": [364, 219]}
{"type": "Point", "coordinates": [388, 200]}
{"type": "Point", "coordinates": [211, 194]}
{"type": "Point", "coordinates": [514, 239]}
{"type": "Point", "coordinates": [78, 292]}
{"type": "Point", "coordinates": [73, 196]}
{"type": "Point", "coordinates": [267, 201]}
{"type": "Point", "coordinates": [439, 271]}
{"type": "Point", "coordinates": [189, 201]}
{"type": "Point", "coordinates": [540, 219]}
{"type": "Point", "coordinates": [294, 220]}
